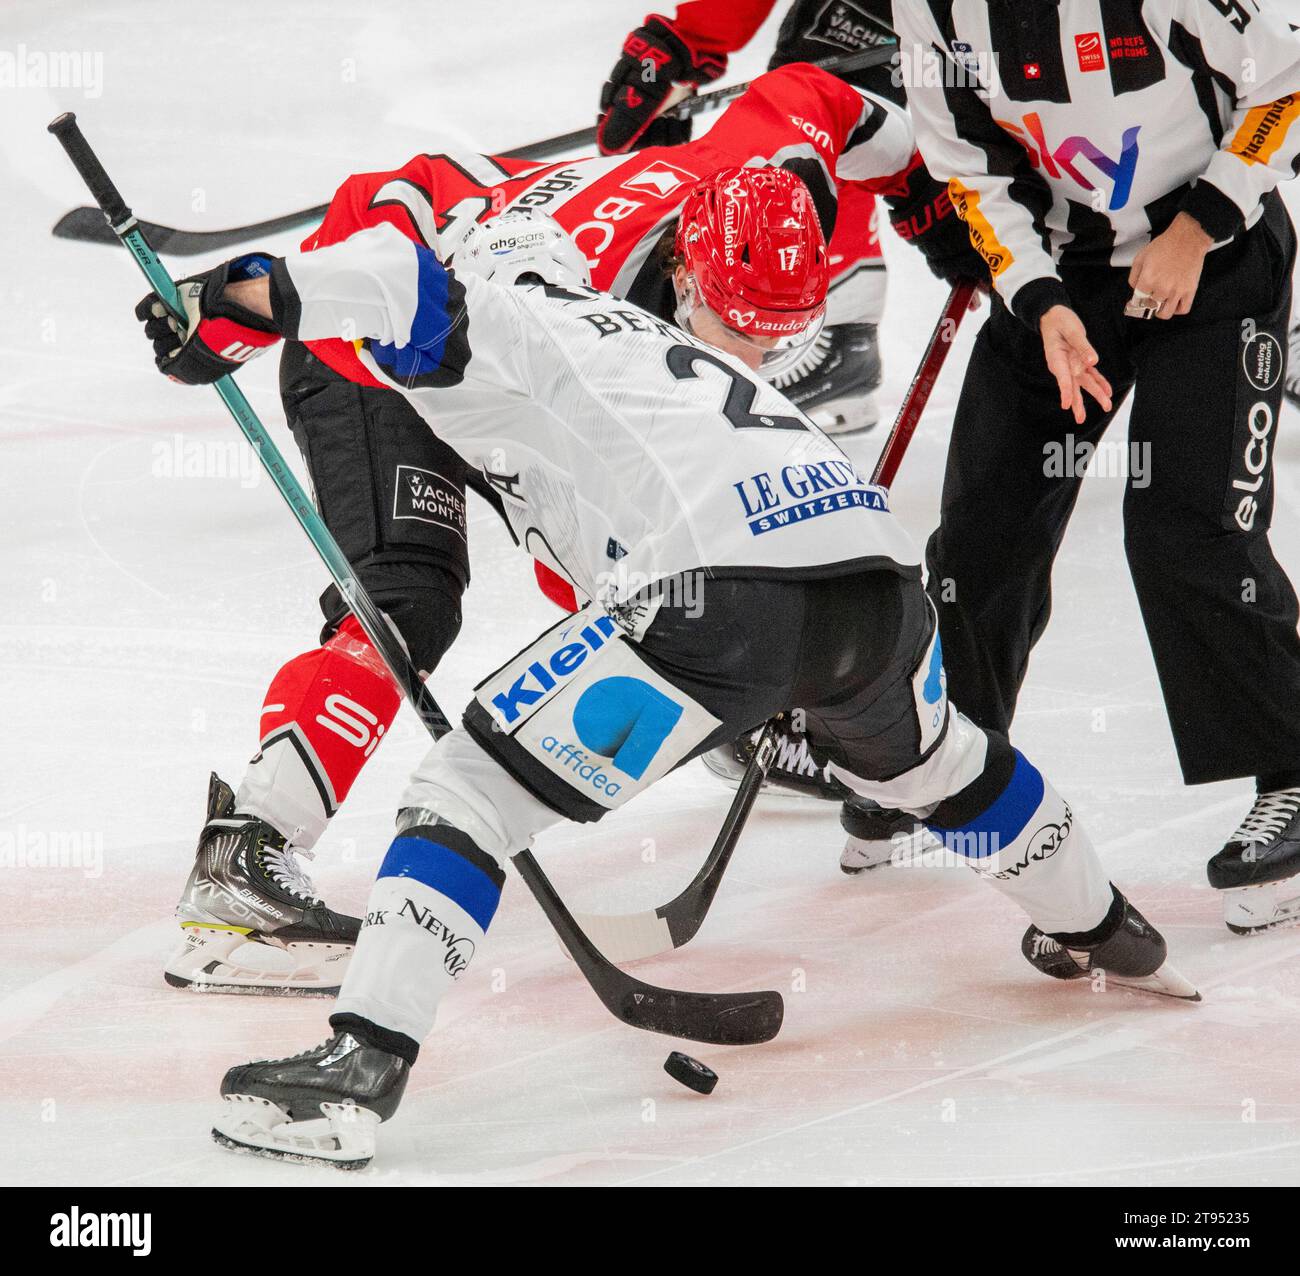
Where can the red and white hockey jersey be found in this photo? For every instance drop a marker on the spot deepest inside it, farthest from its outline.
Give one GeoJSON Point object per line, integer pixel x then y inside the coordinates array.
{"type": "Point", "coordinates": [844, 143]}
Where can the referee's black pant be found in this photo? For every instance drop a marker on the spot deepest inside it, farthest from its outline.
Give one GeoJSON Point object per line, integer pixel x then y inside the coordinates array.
{"type": "Point", "coordinates": [1219, 611]}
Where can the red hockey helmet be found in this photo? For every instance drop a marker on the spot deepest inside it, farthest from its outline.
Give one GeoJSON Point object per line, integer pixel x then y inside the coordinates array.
{"type": "Point", "coordinates": [755, 258]}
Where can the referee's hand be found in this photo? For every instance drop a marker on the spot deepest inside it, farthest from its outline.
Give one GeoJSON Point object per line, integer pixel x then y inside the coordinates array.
{"type": "Point", "coordinates": [1072, 361]}
{"type": "Point", "coordinates": [1168, 269]}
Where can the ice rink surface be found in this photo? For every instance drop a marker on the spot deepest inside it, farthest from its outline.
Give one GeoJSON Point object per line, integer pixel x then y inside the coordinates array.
{"type": "Point", "coordinates": [153, 582]}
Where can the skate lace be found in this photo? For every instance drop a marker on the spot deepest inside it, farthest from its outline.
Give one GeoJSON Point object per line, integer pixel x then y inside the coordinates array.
{"type": "Point", "coordinates": [1271, 813]}
{"type": "Point", "coordinates": [281, 864]}
{"type": "Point", "coordinates": [793, 755]}
{"type": "Point", "coordinates": [1044, 944]}
{"type": "Point", "coordinates": [812, 358]}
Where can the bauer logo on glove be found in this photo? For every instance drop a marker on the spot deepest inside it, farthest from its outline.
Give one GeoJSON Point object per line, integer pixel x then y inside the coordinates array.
{"type": "Point", "coordinates": [218, 336]}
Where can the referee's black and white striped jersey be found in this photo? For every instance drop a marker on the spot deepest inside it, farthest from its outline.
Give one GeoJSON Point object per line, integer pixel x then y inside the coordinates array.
{"type": "Point", "coordinates": [1074, 130]}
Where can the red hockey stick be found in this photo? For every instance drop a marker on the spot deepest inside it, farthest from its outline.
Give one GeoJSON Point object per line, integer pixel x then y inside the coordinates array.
{"type": "Point", "coordinates": [918, 393]}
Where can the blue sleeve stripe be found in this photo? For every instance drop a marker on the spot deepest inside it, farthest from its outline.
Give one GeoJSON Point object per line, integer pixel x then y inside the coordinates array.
{"type": "Point", "coordinates": [1003, 820]}
{"type": "Point", "coordinates": [431, 322]}
{"type": "Point", "coordinates": [444, 870]}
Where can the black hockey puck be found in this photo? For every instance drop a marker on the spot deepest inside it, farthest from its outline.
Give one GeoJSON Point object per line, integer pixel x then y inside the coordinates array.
{"type": "Point", "coordinates": [690, 1072]}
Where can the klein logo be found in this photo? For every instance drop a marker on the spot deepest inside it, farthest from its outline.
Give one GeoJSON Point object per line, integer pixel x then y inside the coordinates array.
{"type": "Point", "coordinates": [548, 672]}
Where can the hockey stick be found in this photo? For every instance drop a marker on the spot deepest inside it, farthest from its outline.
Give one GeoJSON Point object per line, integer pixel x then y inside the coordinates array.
{"type": "Point", "coordinates": [918, 393]}
{"type": "Point", "coordinates": [719, 1018]}
{"type": "Point", "coordinates": [87, 225]}
{"type": "Point", "coordinates": [630, 936]}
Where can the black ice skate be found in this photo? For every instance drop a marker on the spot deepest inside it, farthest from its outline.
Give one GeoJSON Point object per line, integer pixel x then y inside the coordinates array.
{"type": "Point", "coordinates": [877, 835]}
{"type": "Point", "coordinates": [251, 918]}
{"type": "Point", "coordinates": [1131, 956]}
{"type": "Point", "coordinates": [1259, 867]}
{"type": "Point", "coordinates": [796, 770]}
{"type": "Point", "coordinates": [835, 382]}
{"type": "Point", "coordinates": [321, 1107]}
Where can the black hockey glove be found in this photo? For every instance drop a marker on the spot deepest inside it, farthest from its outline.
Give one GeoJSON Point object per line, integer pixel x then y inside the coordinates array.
{"type": "Point", "coordinates": [219, 336]}
{"type": "Point", "coordinates": [921, 212]}
{"type": "Point", "coordinates": [655, 56]}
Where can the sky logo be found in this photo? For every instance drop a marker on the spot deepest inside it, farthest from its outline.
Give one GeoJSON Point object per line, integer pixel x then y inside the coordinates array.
{"type": "Point", "coordinates": [1060, 160]}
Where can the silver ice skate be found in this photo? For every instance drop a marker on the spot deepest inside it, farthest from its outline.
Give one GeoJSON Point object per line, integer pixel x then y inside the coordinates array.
{"type": "Point", "coordinates": [251, 919]}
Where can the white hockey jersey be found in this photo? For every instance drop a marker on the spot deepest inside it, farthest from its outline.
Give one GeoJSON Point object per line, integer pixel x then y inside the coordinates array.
{"type": "Point", "coordinates": [624, 450]}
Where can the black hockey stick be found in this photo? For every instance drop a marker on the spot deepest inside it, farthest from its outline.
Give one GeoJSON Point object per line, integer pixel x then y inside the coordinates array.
{"type": "Point", "coordinates": [718, 1018]}
{"type": "Point", "coordinates": [632, 936]}
{"type": "Point", "coordinates": [87, 225]}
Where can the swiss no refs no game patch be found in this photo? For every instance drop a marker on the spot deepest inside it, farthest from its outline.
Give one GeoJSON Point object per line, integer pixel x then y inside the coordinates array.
{"type": "Point", "coordinates": [429, 497]}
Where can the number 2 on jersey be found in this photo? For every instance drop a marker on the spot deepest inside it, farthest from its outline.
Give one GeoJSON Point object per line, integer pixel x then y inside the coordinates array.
{"type": "Point", "coordinates": [736, 407]}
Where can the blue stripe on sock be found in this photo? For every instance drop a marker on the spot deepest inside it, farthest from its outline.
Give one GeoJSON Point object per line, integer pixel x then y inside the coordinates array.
{"type": "Point", "coordinates": [1001, 822]}
{"type": "Point", "coordinates": [444, 870]}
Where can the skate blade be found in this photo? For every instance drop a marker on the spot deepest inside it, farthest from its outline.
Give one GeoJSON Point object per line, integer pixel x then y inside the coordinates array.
{"type": "Point", "coordinates": [843, 418]}
{"type": "Point", "coordinates": [343, 1137]}
{"type": "Point", "coordinates": [1252, 910]}
{"type": "Point", "coordinates": [914, 850]}
{"type": "Point", "coordinates": [730, 772]}
{"type": "Point", "coordinates": [859, 855]}
{"type": "Point", "coordinates": [1166, 982]}
{"type": "Point", "coordinates": [232, 960]}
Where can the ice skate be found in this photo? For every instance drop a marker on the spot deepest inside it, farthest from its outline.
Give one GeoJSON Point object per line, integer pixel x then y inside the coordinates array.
{"type": "Point", "coordinates": [250, 916]}
{"type": "Point", "coordinates": [320, 1107]}
{"type": "Point", "coordinates": [835, 383]}
{"type": "Point", "coordinates": [878, 836]}
{"type": "Point", "coordinates": [796, 770]}
{"type": "Point", "coordinates": [1258, 869]}
{"type": "Point", "coordinates": [1132, 956]}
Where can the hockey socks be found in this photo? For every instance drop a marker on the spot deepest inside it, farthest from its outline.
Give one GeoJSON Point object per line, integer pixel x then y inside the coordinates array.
{"type": "Point", "coordinates": [434, 898]}
{"type": "Point", "coordinates": [324, 715]}
{"type": "Point", "coordinates": [1019, 834]}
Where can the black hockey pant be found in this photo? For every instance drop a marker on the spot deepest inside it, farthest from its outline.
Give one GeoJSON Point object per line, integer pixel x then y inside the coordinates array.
{"type": "Point", "coordinates": [1219, 611]}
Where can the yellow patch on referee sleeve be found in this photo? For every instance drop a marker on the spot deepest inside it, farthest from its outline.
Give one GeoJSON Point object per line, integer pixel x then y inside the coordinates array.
{"type": "Point", "coordinates": [1264, 129]}
{"type": "Point", "coordinates": [982, 235]}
